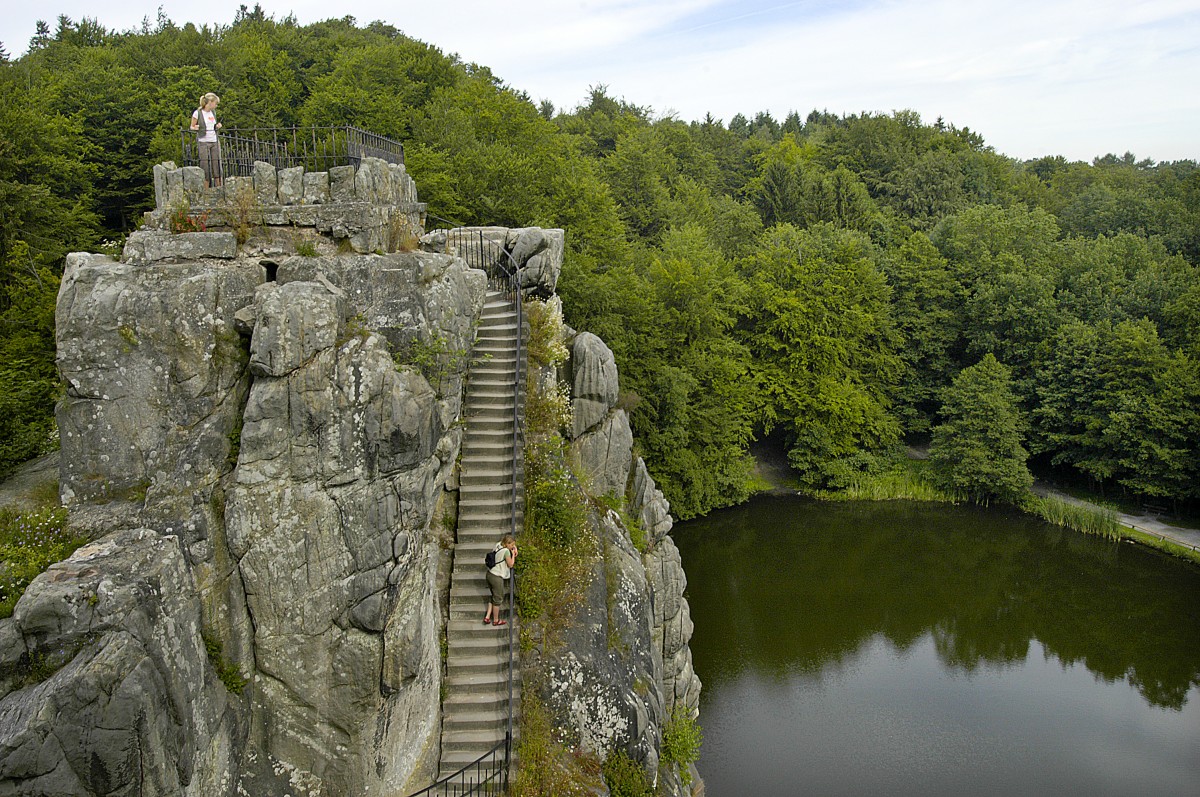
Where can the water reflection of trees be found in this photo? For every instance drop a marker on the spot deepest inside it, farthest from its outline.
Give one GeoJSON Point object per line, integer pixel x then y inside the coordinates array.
{"type": "Point", "coordinates": [782, 586]}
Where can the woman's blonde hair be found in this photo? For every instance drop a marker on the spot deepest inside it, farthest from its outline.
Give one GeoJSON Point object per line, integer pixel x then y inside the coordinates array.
{"type": "Point", "coordinates": [207, 98]}
{"type": "Point", "coordinates": [507, 540]}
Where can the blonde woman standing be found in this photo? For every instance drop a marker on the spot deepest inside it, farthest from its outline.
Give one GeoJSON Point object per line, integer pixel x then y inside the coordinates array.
{"type": "Point", "coordinates": [204, 122]}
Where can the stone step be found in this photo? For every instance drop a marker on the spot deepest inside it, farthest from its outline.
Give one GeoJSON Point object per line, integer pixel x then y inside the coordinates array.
{"type": "Point", "coordinates": [467, 644]}
{"type": "Point", "coordinates": [497, 409]}
{"type": "Point", "coordinates": [498, 368]}
{"type": "Point", "coordinates": [488, 509]}
{"type": "Point", "coordinates": [473, 589]}
{"type": "Point", "coordinates": [475, 550]}
{"type": "Point", "coordinates": [454, 760]}
{"type": "Point", "coordinates": [482, 423]}
{"type": "Point", "coordinates": [482, 491]}
{"type": "Point", "coordinates": [497, 522]}
{"type": "Point", "coordinates": [477, 720]}
{"type": "Point", "coordinates": [487, 458]}
{"type": "Point", "coordinates": [495, 361]}
{"type": "Point", "coordinates": [490, 471]}
{"type": "Point", "coordinates": [472, 610]}
{"type": "Point", "coordinates": [472, 703]}
{"type": "Point", "coordinates": [473, 628]}
{"type": "Point", "coordinates": [479, 663]}
{"type": "Point", "coordinates": [479, 741]}
{"type": "Point", "coordinates": [489, 503]}
{"type": "Point", "coordinates": [503, 320]}
{"type": "Point", "coordinates": [496, 336]}
{"type": "Point", "coordinates": [488, 685]}
{"type": "Point", "coordinates": [498, 392]}
{"type": "Point", "coordinates": [487, 452]}
{"type": "Point", "coordinates": [492, 381]}
{"type": "Point", "coordinates": [490, 434]}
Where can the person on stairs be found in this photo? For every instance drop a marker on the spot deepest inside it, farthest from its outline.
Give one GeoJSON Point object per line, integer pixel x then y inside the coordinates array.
{"type": "Point", "coordinates": [504, 554]}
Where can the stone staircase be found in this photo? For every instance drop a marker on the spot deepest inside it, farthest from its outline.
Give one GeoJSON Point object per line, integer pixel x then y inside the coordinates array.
{"type": "Point", "coordinates": [475, 707]}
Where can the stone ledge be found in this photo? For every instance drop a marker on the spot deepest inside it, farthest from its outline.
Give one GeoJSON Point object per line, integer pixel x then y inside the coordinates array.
{"type": "Point", "coordinates": [151, 246]}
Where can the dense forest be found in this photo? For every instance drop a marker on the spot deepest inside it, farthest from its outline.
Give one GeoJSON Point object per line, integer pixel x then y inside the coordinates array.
{"type": "Point", "coordinates": [846, 283]}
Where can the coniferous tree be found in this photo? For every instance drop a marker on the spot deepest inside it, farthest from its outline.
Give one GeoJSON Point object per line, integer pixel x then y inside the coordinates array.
{"type": "Point", "coordinates": [977, 449]}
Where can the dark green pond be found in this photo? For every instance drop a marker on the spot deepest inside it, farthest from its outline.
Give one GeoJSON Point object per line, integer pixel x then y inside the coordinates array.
{"type": "Point", "coordinates": [902, 648]}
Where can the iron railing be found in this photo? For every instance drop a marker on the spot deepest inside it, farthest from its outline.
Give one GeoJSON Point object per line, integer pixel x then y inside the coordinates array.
{"type": "Point", "coordinates": [317, 149]}
{"type": "Point", "coordinates": [478, 777]}
{"type": "Point", "coordinates": [487, 775]}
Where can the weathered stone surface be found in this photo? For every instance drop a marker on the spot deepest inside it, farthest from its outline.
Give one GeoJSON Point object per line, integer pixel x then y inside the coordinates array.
{"type": "Point", "coordinates": [155, 376]}
{"type": "Point", "coordinates": [239, 191]}
{"type": "Point", "coordinates": [604, 455]}
{"type": "Point", "coordinates": [359, 445]}
{"type": "Point", "coordinates": [341, 183]}
{"type": "Point", "coordinates": [672, 627]}
{"type": "Point", "coordinates": [160, 172]}
{"type": "Point", "coordinates": [175, 195]}
{"type": "Point", "coordinates": [151, 246]}
{"type": "Point", "coordinates": [193, 184]}
{"type": "Point", "coordinates": [266, 183]}
{"type": "Point", "coordinates": [539, 254]}
{"type": "Point", "coordinates": [603, 686]}
{"type": "Point", "coordinates": [316, 188]}
{"type": "Point", "coordinates": [363, 225]}
{"type": "Point", "coordinates": [136, 707]}
{"type": "Point", "coordinates": [293, 324]}
{"type": "Point", "coordinates": [595, 382]}
{"type": "Point", "coordinates": [373, 182]}
{"type": "Point", "coordinates": [646, 501]}
{"type": "Point", "coordinates": [406, 296]}
{"type": "Point", "coordinates": [291, 185]}
{"type": "Point", "coordinates": [403, 187]}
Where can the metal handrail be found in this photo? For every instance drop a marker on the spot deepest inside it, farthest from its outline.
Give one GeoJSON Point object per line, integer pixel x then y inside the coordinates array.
{"type": "Point", "coordinates": [489, 257]}
{"type": "Point", "coordinates": [474, 774]}
{"type": "Point", "coordinates": [316, 148]}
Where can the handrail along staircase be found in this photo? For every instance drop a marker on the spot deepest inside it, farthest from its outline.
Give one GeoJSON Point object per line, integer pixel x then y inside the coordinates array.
{"type": "Point", "coordinates": [490, 772]}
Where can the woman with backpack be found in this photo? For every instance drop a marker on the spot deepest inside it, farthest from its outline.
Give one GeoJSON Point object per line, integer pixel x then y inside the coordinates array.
{"type": "Point", "coordinates": [499, 563]}
{"type": "Point", "coordinates": [204, 122]}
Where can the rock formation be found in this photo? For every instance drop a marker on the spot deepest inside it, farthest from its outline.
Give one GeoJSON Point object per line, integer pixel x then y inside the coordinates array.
{"type": "Point", "coordinates": [262, 470]}
{"type": "Point", "coordinates": [627, 667]}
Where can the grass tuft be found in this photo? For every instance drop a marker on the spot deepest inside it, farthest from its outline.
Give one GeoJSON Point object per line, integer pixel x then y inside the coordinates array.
{"type": "Point", "coordinates": [29, 543]}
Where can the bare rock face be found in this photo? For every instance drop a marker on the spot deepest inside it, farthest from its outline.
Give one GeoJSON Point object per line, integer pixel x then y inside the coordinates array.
{"type": "Point", "coordinates": [538, 253]}
{"type": "Point", "coordinates": [595, 382]}
{"type": "Point", "coordinates": [605, 456]}
{"type": "Point", "coordinates": [628, 666]}
{"type": "Point", "coordinates": [343, 458]}
{"type": "Point", "coordinates": [151, 246]}
{"type": "Point", "coordinates": [156, 376]}
{"type": "Point", "coordinates": [603, 687]}
{"type": "Point", "coordinates": [256, 460]}
{"type": "Point", "coordinates": [105, 683]}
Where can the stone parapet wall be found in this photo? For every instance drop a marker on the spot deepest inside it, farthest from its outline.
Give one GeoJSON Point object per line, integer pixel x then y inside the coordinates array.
{"type": "Point", "coordinates": [368, 207]}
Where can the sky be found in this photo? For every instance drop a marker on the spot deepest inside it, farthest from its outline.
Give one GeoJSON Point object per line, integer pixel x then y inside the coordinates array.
{"type": "Point", "coordinates": [1079, 78]}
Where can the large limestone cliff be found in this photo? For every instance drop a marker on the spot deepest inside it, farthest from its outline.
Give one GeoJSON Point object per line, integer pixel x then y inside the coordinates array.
{"type": "Point", "coordinates": [266, 481]}
{"type": "Point", "coordinates": [626, 668]}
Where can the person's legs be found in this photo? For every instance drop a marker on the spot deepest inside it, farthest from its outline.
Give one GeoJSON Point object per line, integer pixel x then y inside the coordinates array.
{"type": "Point", "coordinates": [496, 586]}
{"type": "Point", "coordinates": [216, 164]}
{"type": "Point", "coordinates": [206, 148]}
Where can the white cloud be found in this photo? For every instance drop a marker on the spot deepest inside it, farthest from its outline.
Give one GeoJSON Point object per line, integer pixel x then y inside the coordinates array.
{"type": "Point", "coordinates": [1057, 76]}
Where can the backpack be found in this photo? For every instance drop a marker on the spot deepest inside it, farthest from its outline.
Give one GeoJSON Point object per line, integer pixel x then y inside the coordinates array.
{"type": "Point", "coordinates": [489, 560]}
